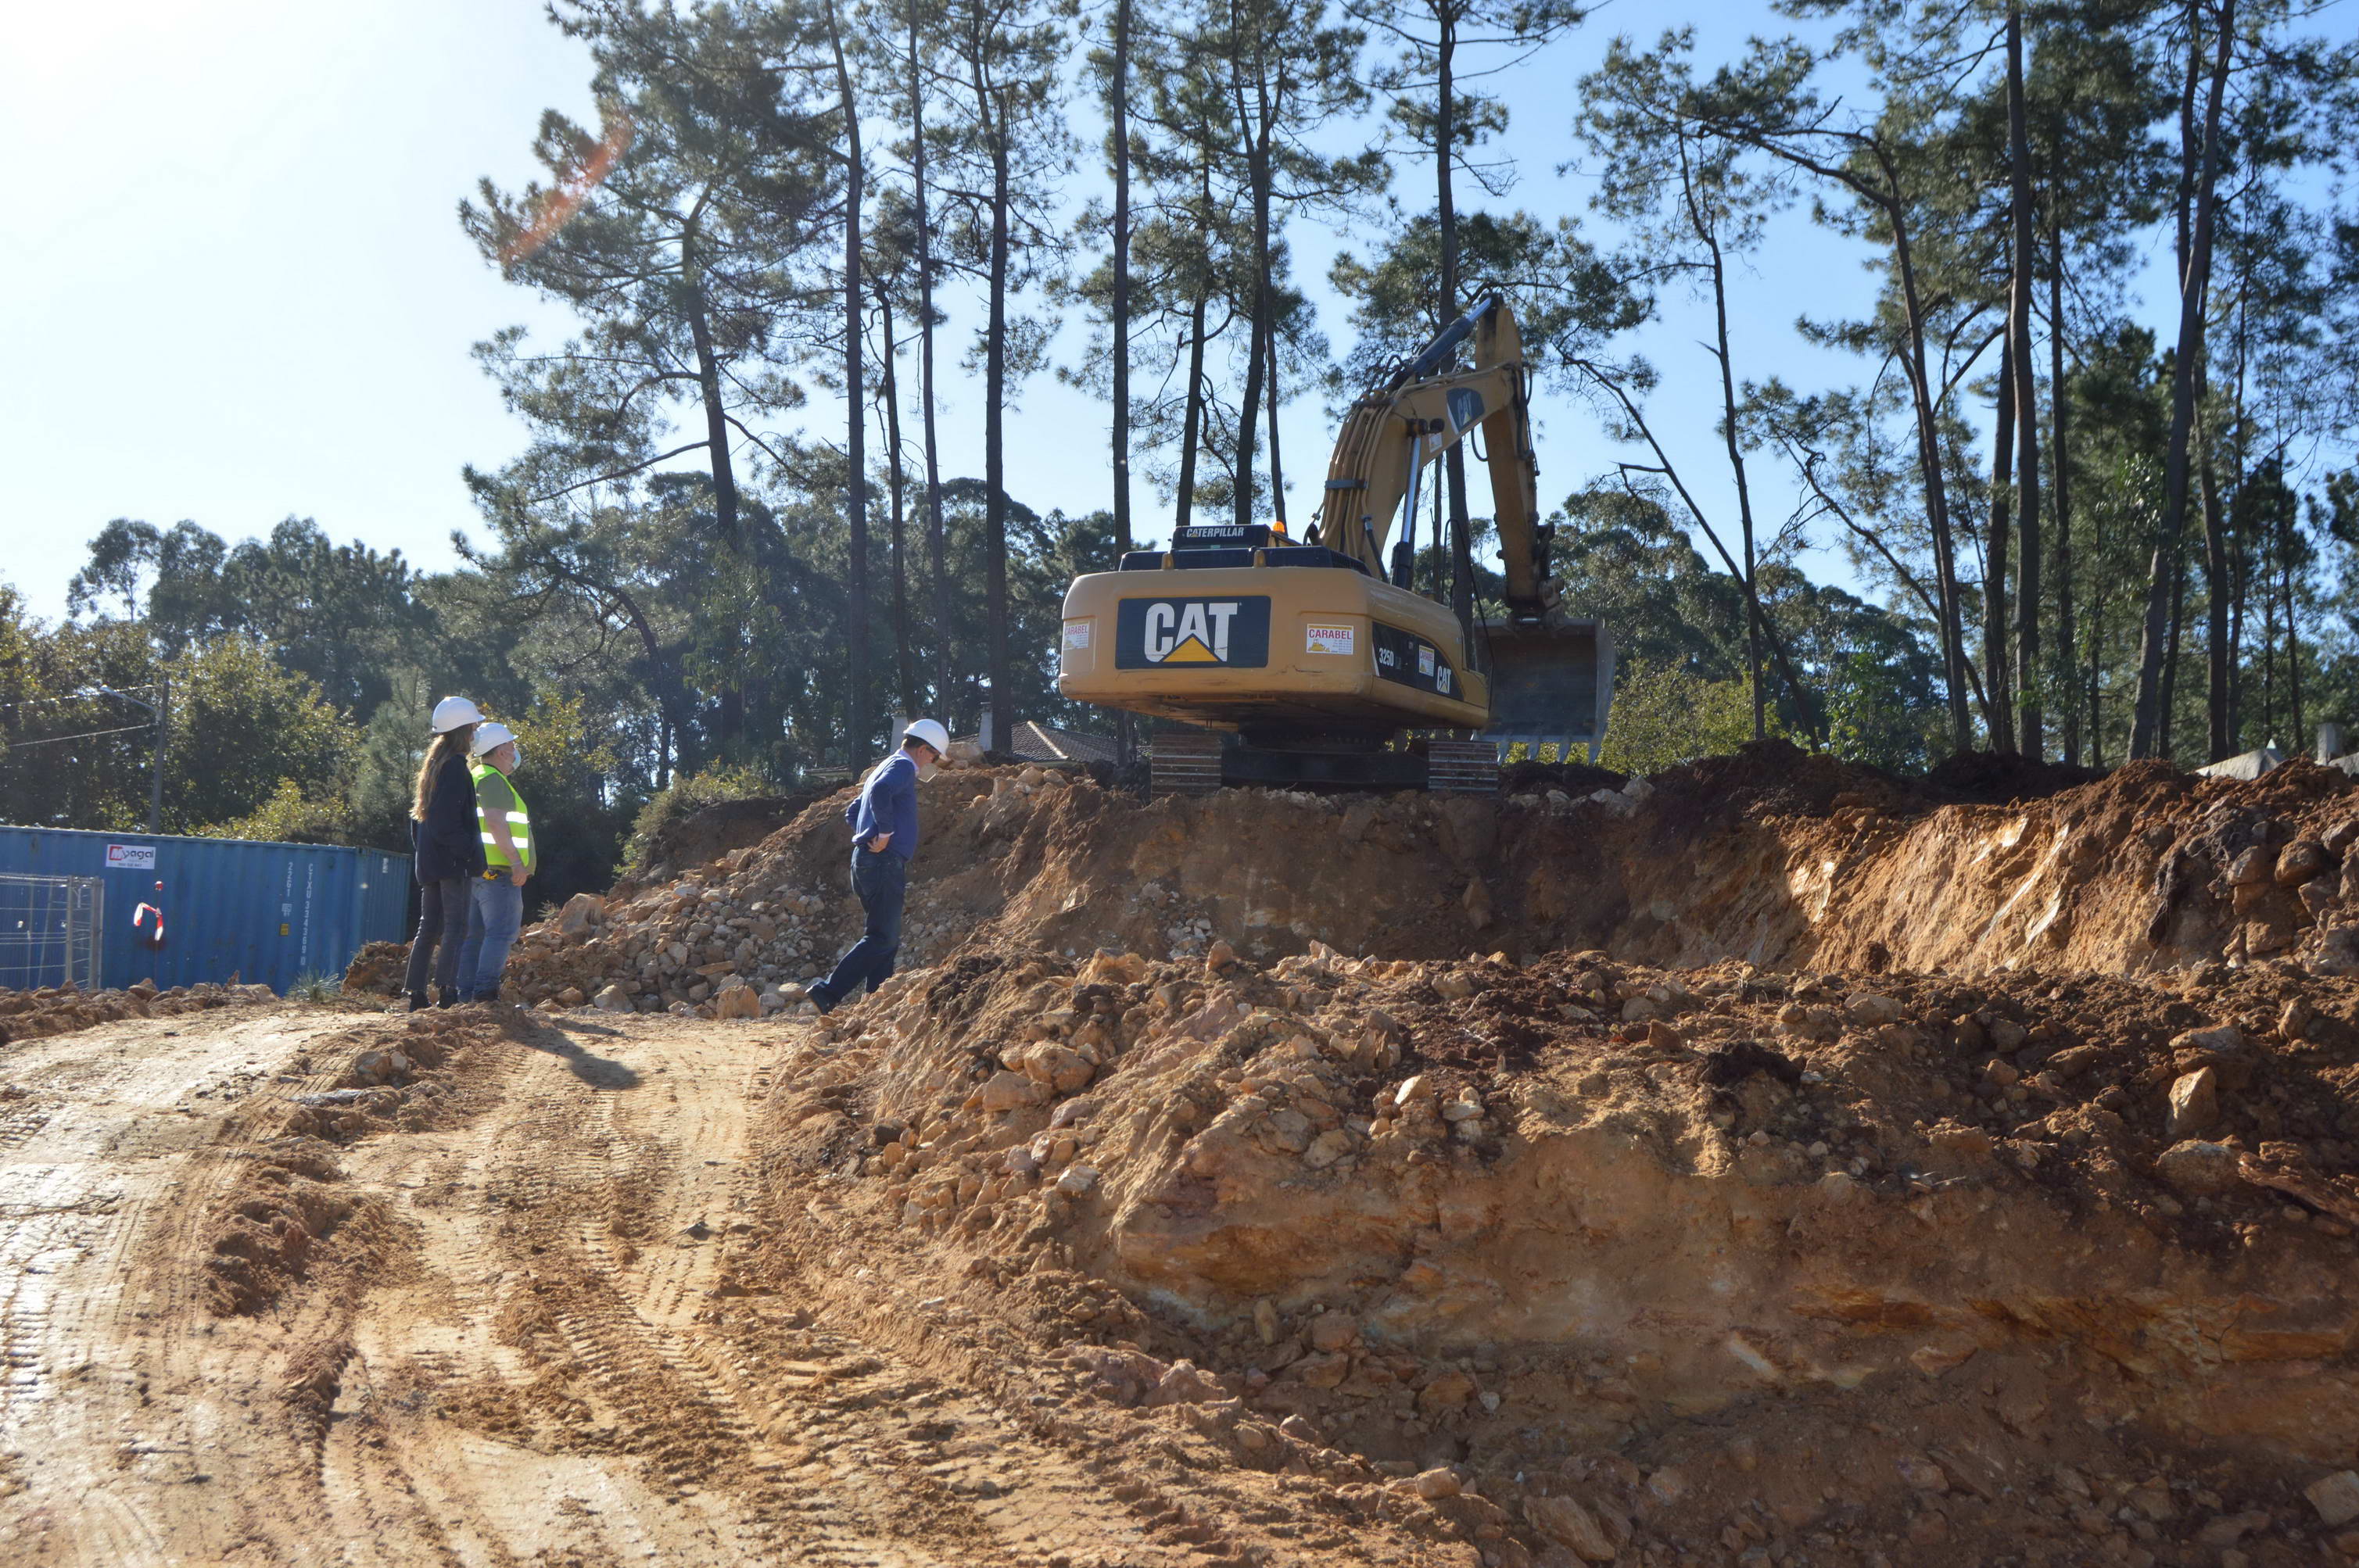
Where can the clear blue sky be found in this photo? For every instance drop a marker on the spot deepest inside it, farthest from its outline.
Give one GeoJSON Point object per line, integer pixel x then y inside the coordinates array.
{"type": "Point", "coordinates": [237, 289]}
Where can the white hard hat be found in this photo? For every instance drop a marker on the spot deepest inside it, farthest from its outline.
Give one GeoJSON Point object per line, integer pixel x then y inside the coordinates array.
{"type": "Point", "coordinates": [453, 711]}
{"type": "Point", "coordinates": [492, 737]}
{"type": "Point", "coordinates": [929, 731]}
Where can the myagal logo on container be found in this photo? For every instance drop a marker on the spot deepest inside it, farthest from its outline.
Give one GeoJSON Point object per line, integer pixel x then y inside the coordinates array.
{"type": "Point", "coordinates": [131, 857]}
{"type": "Point", "coordinates": [1159, 633]}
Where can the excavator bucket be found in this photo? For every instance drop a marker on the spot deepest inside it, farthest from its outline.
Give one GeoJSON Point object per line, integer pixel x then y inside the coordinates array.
{"type": "Point", "coordinates": [1551, 683]}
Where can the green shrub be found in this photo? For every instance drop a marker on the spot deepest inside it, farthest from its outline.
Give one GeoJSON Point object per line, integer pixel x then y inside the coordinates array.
{"type": "Point", "coordinates": [685, 799]}
{"type": "Point", "coordinates": [1663, 716]}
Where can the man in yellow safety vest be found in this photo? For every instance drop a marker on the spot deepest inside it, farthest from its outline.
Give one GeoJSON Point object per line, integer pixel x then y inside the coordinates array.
{"type": "Point", "coordinates": [509, 857]}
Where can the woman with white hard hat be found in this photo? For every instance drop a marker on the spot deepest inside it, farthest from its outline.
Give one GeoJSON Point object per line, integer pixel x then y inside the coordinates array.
{"type": "Point", "coordinates": [446, 852]}
{"type": "Point", "coordinates": [505, 833]}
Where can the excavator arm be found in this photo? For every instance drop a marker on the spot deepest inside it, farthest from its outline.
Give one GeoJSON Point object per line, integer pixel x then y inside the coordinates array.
{"type": "Point", "coordinates": [1392, 433]}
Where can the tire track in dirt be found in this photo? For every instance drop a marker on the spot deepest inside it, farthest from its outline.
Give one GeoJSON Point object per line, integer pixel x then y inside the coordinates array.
{"type": "Point", "coordinates": [119, 1392]}
{"type": "Point", "coordinates": [570, 1358]}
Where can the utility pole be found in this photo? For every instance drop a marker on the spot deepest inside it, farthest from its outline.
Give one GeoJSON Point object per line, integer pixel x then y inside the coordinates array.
{"type": "Point", "coordinates": [156, 773]}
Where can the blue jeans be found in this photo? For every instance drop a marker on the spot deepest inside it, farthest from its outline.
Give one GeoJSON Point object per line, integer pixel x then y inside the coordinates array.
{"type": "Point", "coordinates": [498, 915]}
{"type": "Point", "coordinates": [882, 880]}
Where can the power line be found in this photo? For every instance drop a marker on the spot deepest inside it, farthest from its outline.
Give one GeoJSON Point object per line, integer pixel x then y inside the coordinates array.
{"type": "Point", "coordinates": [85, 735]}
{"type": "Point", "coordinates": [80, 696]}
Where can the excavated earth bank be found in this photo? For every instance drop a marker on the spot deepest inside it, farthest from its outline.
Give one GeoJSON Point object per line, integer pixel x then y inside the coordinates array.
{"type": "Point", "coordinates": [1772, 1162]}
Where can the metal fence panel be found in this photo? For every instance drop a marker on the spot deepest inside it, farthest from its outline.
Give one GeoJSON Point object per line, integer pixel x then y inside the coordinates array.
{"type": "Point", "coordinates": [50, 931]}
{"type": "Point", "coordinates": [264, 912]}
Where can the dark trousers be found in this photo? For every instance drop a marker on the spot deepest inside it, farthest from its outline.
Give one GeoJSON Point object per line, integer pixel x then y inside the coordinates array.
{"type": "Point", "coordinates": [442, 909]}
{"type": "Point", "coordinates": [882, 883]}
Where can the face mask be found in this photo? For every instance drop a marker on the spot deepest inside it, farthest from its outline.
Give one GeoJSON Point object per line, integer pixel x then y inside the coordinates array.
{"type": "Point", "coordinates": [518, 760]}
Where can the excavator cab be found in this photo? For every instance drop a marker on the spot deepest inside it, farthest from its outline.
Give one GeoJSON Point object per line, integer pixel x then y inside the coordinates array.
{"type": "Point", "coordinates": [1315, 663]}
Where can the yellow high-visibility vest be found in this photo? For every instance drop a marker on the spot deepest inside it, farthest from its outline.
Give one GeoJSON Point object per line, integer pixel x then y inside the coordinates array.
{"type": "Point", "coordinates": [519, 820]}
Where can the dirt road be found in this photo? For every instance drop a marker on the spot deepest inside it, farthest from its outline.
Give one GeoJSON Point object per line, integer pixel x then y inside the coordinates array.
{"type": "Point", "coordinates": [251, 1317]}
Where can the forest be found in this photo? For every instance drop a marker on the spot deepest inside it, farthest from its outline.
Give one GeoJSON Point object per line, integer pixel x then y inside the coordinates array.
{"type": "Point", "coordinates": [2086, 491]}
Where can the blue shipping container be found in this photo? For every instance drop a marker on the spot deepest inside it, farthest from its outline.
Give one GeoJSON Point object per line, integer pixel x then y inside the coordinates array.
{"type": "Point", "coordinates": [269, 913]}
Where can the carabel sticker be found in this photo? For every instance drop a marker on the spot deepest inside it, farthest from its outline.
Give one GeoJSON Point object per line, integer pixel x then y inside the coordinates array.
{"type": "Point", "coordinates": [1328, 640]}
{"type": "Point", "coordinates": [1077, 633]}
{"type": "Point", "coordinates": [1425, 661]}
{"type": "Point", "coordinates": [1442, 680]}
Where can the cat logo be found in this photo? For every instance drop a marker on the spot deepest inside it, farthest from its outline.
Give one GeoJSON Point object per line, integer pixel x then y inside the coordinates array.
{"type": "Point", "coordinates": [1164, 633]}
{"type": "Point", "coordinates": [1189, 634]}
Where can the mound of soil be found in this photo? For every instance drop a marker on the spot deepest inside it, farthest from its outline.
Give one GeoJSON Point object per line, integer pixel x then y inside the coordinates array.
{"type": "Point", "coordinates": [712, 831]}
{"type": "Point", "coordinates": [1671, 1264]}
{"type": "Point", "coordinates": [1772, 857]}
{"type": "Point", "coordinates": [62, 1010]}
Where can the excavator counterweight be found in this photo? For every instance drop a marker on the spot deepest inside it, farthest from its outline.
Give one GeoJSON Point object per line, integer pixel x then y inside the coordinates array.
{"type": "Point", "coordinates": [1315, 663]}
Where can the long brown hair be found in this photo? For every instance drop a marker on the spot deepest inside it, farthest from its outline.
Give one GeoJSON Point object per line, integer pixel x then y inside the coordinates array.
{"type": "Point", "coordinates": [458, 743]}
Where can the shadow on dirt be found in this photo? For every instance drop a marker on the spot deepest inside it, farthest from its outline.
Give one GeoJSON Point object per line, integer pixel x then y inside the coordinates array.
{"type": "Point", "coordinates": [598, 1072]}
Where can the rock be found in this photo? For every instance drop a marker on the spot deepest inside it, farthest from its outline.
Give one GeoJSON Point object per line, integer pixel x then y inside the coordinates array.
{"type": "Point", "coordinates": [1873, 1010]}
{"type": "Point", "coordinates": [963, 754]}
{"type": "Point", "coordinates": [1922, 1472]}
{"type": "Point", "coordinates": [2198, 1169]}
{"type": "Point", "coordinates": [2295, 1019]}
{"type": "Point", "coordinates": [1333, 1331]}
{"type": "Point", "coordinates": [1568, 1524]}
{"type": "Point", "coordinates": [1063, 1070]}
{"type": "Point", "coordinates": [1452, 986]}
{"type": "Point", "coordinates": [2319, 895]}
{"type": "Point", "coordinates": [2007, 1036]}
{"type": "Point", "coordinates": [1321, 1371]}
{"type": "Point", "coordinates": [1414, 1088]}
{"type": "Point", "coordinates": [2338, 949]}
{"type": "Point", "coordinates": [1299, 1429]}
{"type": "Point", "coordinates": [1010, 1091]}
{"type": "Point", "coordinates": [2230, 1529]}
{"type": "Point", "coordinates": [1478, 900]}
{"type": "Point", "coordinates": [2254, 865]}
{"type": "Point", "coordinates": [738, 1001]}
{"type": "Point", "coordinates": [1077, 1180]}
{"type": "Point", "coordinates": [2299, 860]}
{"type": "Point", "coordinates": [1218, 956]}
{"type": "Point", "coordinates": [1638, 788]}
{"type": "Point", "coordinates": [1664, 1037]}
{"type": "Point", "coordinates": [1073, 1112]}
{"type": "Point", "coordinates": [614, 998]}
{"type": "Point", "coordinates": [1439, 1481]}
{"type": "Point", "coordinates": [2335, 1496]}
{"type": "Point", "coordinates": [581, 912]}
{"type": "Point", "coordinates": [1327, 1148]}
{"type": "Point", "coordinates": [1447, 1392]}
{"type": "Point", "coordinates": [2194, 1104]}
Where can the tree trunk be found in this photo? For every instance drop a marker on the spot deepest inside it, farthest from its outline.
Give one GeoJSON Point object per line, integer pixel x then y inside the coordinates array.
{"type": "Point", "coordinates": [860, 731]}
{"type": "Point", "coordinates": [1720, 350]}
{"type": "Point", "coordinates": [1120, 131]}
{"type": "Point", "coordinates": [1929, 460]}
{"type": "Point", "coordinates": [904, 668]}
{"type": "Point", "coordinates": [2168, 746]}
{"type": "Point", "coordinates": [2218, 592]}
{"type": "Point", "coordinates": [936, 548]}
{"type": "Point", "coordinates": [1258, 174]}
{"type": "Point", "coordinates": [2194, 284]}
{"type": "Point", "coordinates": [1276, 468]}
{"type": "Point", "coordinates": [2296, 741]}
{"type": "Point", "coordinates": [2030, 715]}
{"type": "Point", "coordinates": [708, 386]}
{"type": "Point", "coordinates": [2057, 454]}
{"type": "Point", "coordinates": [1998, 712]}
{"type": "Point", "coordinates": [995, 403]}
{"type": "Point", "coordinates": [1453, 461]}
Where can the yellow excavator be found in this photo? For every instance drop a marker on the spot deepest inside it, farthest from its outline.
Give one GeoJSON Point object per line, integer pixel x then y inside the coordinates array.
{"type": "Point", "coordinates": [1316, 663]}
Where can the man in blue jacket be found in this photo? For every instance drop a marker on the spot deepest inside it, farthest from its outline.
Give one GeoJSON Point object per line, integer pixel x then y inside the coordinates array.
{"type": "Point", "coordinates": [884, 840]}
